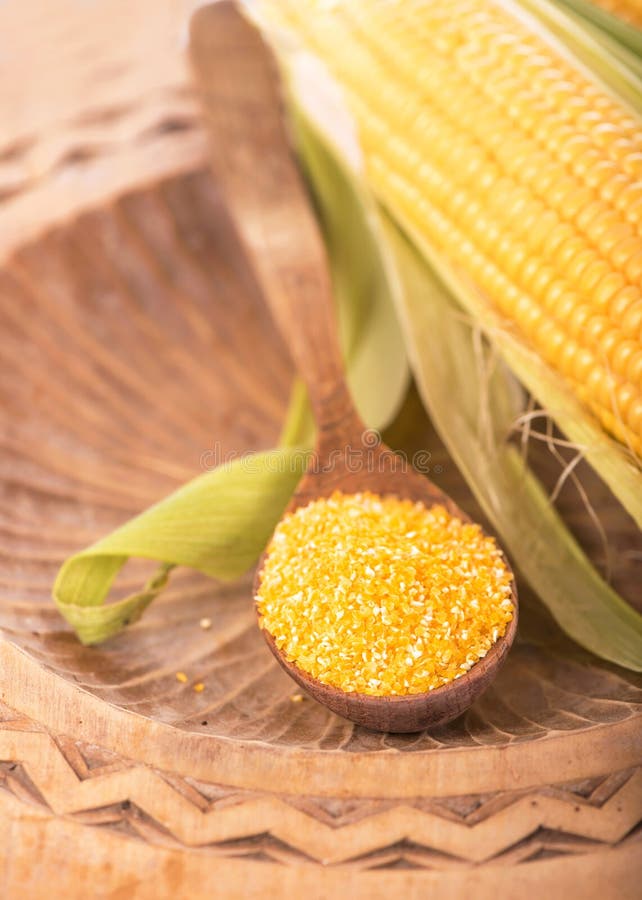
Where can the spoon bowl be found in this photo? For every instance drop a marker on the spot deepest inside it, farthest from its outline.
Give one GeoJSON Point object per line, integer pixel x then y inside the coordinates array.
{"type": "Point", "coordinates": [400, 712]}
{"type": "Point", "coordinates": [265, 193]}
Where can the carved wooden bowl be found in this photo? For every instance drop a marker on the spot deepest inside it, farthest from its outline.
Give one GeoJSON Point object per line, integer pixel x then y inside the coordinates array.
{"type": "Point", "coordinates": [133, 347]}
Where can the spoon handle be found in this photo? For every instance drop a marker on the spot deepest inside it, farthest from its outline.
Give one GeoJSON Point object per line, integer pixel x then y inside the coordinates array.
{"type": "Point", "coordinates": [253, 162]}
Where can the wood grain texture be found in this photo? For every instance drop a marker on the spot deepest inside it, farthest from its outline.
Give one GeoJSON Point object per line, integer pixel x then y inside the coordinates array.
{"type": "Point", "coordinates": [93, 98]}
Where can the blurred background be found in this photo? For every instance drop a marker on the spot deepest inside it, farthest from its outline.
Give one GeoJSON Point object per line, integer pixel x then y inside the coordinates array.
{"type": "Point", "coordinates": [92, 94]}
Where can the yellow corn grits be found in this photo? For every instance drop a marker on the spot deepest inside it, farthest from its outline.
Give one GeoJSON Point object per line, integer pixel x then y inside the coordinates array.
{"type": "Point", "coordinates": [383, 596]}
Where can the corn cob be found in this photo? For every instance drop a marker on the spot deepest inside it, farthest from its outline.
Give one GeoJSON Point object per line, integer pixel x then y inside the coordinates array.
{"type": "Point", "coordinates": [514, 164]}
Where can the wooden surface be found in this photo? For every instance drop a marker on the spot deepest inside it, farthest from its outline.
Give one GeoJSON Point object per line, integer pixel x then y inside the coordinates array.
{"type": "Point", "coordinates": [128, 340]}
{"type": "Point", "coordinates": [94, 96]}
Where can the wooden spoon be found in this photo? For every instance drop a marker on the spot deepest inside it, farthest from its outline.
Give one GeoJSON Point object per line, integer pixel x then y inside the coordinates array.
{"type": "Point", "coordinates": [256, 170]}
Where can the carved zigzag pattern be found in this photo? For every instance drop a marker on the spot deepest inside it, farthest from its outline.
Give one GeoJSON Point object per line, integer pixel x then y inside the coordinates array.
{"type": "Point", "coordinates": [66, 794]}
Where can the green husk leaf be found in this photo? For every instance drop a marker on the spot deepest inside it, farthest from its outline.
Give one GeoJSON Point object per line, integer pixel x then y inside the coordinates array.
{"type": "Point", "coordinates": [218, 523]}
{"type": "Point", "coordinates": [623, 32]}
